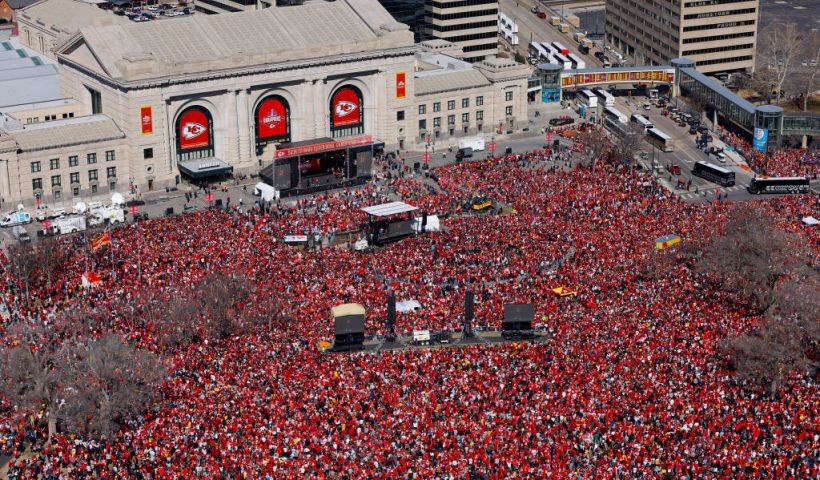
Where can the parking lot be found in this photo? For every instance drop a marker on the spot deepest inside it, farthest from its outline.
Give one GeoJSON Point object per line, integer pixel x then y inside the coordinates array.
{"type": "Point", "coordinates": [153, 12]}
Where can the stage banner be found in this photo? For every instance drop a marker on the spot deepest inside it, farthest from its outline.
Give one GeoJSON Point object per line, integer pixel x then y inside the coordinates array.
{"type": "Point", "coordinates": [401, 85]}
{"type": "Point", "coordinates": [324, 146]}
{"type": "Point", "coordinates": [147, 120]}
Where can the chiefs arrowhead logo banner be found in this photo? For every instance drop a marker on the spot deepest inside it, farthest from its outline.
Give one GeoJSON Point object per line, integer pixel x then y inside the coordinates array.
{"type": "Point", "coordinates": [346, 107]}
{"type": "Point", "coordinates": [146, 120]}
{"type": "Point", "coordinates": [401, 85]}
{"type": "Point", "coordinates": [193, 129]}
{"type": "Point", "coordinates": [273, 120]}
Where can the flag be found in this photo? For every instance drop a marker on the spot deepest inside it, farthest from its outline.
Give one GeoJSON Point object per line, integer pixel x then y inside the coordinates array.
{"type": "Point", "coordinates": [101, 241]}
{"type": "Point", "coordinates": [717, 192]}
{"type": "Point", "coordinates": [91, 279]}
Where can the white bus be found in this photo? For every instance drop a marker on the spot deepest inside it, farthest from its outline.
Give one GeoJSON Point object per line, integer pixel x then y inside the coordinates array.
{"type": "Point", "coordinates": [560, 47]}
{"type": "Point", "coordinates": [615, 114]}
{"type": "Point", "coordinates": [537, 51]}
{"type": "Point", "coordinates": [577, 62]}
{"type": "Point", "coordinates": [659, 139]}
{"type": "Point", "coordinates": [642, 121]}
{"type": "Point", "coordinates": [588, 98]}
{"type": "Point", "coordinates": [562, 60]}
{"type": "Point", "coordinates": [605, 96]}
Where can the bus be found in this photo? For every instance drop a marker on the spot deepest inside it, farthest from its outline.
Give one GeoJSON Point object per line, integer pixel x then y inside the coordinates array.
{"type": "Point", "coordinates": [588, 98]}
{"type": "Point", "coordinates": [537, 51]}
{"type": "Point", "coordinates": [615, 114]}
{"type": "Point", "coordinates": [605, 96]}
{"type": "Point", "coordinates": [563, 60]}
{"type": "Point", "coordinates": [779, 185]}
{"type": "Point", "coordinates": [642, 121]}
{"type": "Point", "coordinates": [560, 47]}
{"type": "Point", "coordinates": [713, 173]}
{"type": "Point", "coordinates": [576, 62]}
{"type": "Point", "coordinates": [662, 141]}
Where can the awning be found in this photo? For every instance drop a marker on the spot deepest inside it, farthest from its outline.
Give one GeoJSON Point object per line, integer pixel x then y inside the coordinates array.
{"type": "Point", "coordinates": [204, 168]}
{"type": "Point", "coordinates": [347, 309]}
{"type": "Point", "coordinates": [387, 209]}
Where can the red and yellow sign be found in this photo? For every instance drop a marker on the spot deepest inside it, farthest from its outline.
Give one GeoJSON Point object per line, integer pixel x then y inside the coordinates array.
{"type": "Point", "coordinates": [582, 79]}
{"type": "Point", "coordinates": [324, 147]}
{"type": "Point", "coordinates": [146, 120]}
{"type": "Point", "coordinates": [401, 85]}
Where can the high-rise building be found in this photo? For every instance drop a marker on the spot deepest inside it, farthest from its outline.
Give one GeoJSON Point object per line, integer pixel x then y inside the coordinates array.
{"type": "Point", "coordinates": [408, 12]}
{"type": "Point", "coordinates": [720, 35]}
{"type": "Point", "coordinates": [470, 24]}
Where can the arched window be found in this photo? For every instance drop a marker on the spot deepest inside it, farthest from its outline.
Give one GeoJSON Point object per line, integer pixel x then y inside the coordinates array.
{"type": "Point", "coordinates": [195, 135]}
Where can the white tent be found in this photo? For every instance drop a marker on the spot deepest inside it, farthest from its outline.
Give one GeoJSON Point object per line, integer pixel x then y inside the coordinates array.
{"type": "Point", "coordinates": [117, 199]}
{"type": "Point", "coordinates": [810, 221]}
{"type": "Point", "coordinates": [433, 224]}
{"type": "Point", "coordinates": [407, 306]}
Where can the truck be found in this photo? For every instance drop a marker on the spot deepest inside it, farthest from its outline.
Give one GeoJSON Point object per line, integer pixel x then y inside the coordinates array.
{"type": "Point", "coordinates": [476, 143]}
{"type": "Point", "coordinates": [15, 218]}
{"type": "Point", "coordinates": [555, 20]}
{"type": "Point", "coordinates": [564, 27]}
{"type": "Point", "coordinates": [21, 234]}
{"type": "Point", "coordinates": [578, 36]}
{"type": "Point", "coordinates": [65, 225]}
{"type": "Point", "coordinates": [101, 215]}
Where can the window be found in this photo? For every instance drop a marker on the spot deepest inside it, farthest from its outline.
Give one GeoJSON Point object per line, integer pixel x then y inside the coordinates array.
{"type": "Point", "coordinates": [73, 161]}
{"type": "Point", "coordinates": [465, 117]}
{"type": "Point", "coordinates": [35, 167]}
{"type": "Point", "coordinates": [147, 153]}
{"type": "Point", "coordinates": [74, 177]}
{"type": "Point", "coordinates": [96, 101]}
{"type": "Point", "coordinates": [91, 158]}
{"type": "Point", "coordinates": [436, 106]}
{"type": "Point", "coordinates": [58, 194]}
{"type": "Point", "coordinates": [451, 104]}
{"type": "Point", "coordinates": [112, 185]}
{"type": "Point", "coordinates": [56, 180]}
{"type": "Point", "coordinates": [75, 191]}
{"type": "Point", "coordinates": [508, 111]}
{"type": "Point", "coordinates": [479, 115]}
{"type": "Point", "coordinates": [92, 175]}
{"type": "Point", "coordinates": [479, 101]}
{"type": "Point", "coordinates": [436, 121]}
{"type": "Point", "coordinates": [109, 156]}
{"type": "Point", "coordinates": [423, 124]}
{"type": "Point", "coordinates": [93, 189]}
{"type": "Point", "coordinates": [465, 103]}
{"type": "Point", "coordinates": [37, 183]}
{"type": "Point", "coordinates": [54, 164]}
{"type": "Point", "coordinates": [111, 172]}
{"type": "Point", "coordinates": [400, 115]}
{"type": "Point", "coordinates": [50, 117]}
{"type": "Point", "coordinates": [451, 119]}
{"type": "Point", "coordinates": [508, 96]}
{"type": "Point", "coordinates": [422, 109]}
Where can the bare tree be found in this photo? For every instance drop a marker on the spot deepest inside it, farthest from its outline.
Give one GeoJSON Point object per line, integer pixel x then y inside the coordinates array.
{"type": "Point", "coordinates": [778, 47]}
{"type": "Point", "coordinates": [50, 253]}
{"type": "Point", "coordinates": [805, 78]}
{"type": "Point", "coordinates": [751, 256]}
{"type": "Point", "coordinates": [631, 144]}
{"type": "Point", "coordinates": [24, 264]}
{"type": "Point", "coordinates": [595, 146]}
{"type": "Point", "coordinates": [107, 382]}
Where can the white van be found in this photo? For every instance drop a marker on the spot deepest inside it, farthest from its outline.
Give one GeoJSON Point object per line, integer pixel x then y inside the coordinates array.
{"type": "Point", "coordinates": [98, 216]}
{"type": "Point", "coordinates": [15, 218]}
{"type": "Point", "coordinates": [476, 143]}
{"type": "Point", "coordinates": [66, 225]}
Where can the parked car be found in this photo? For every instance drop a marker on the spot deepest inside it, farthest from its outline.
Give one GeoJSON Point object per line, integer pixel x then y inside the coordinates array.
{"type": "Point", "coordinates": [559, 122]}
{"type": "Point", "coordinates": [542, 15]}
{"type": "Point", "coordinates": [693, 130]}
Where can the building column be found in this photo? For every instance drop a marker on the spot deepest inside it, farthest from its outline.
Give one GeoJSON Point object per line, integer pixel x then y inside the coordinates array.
{"type": "Point", "coordinates": [243, 127]}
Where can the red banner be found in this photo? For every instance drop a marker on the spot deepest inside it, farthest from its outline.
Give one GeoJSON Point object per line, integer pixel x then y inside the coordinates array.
{"type": "Point", "coordinates": [209, 197]}
{"type": "Point", "coordinates": [401, 85]}
{"type": "Point", "coordinates": [347, 107]}
{"type": "Point", "coordinates": [272, 118]}
{"type": "Point", "coordinates": [147, 120]}
{"type": "Point", "coordinates": [324, 147]}
{"type": "Point", "coordinates": [133, 209]}
{"type": "Point", "coordinates": [192, 130]}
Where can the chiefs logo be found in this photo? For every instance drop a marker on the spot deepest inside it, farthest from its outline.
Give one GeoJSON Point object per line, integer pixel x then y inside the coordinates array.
{"type": "Point", "coordinates": [192, 130]}
{"type": "Point", "coordinates": [272, 119]}
{"type": "Point", "coordinates": [344, 108]}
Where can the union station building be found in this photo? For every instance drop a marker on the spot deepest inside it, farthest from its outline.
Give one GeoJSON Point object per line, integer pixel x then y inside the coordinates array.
{"type": "Point", "coordinates": [180, 99]}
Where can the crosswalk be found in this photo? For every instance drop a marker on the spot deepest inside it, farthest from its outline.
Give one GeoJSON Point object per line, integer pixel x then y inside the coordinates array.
{"type": "Point", "coordinates": [710, 192]}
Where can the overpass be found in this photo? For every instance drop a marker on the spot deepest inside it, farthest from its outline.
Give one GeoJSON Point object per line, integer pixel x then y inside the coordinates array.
{"type": "Point", "coordinates": [687, 82]}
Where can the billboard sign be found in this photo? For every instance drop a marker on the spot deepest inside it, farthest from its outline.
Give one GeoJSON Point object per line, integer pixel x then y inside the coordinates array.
{"type": "Point", "coordinates": [324, 147]}
{"type": "Point", "coordinates": [273, 120]}
{"type": "Point", "coordinates": [346, 107]}
{"type": "Point", "coordinates": [193, 129]}
{"type": "Point", "coordinates": [146, 120]}
{"type": "Point", "coordinates": [761, 139]}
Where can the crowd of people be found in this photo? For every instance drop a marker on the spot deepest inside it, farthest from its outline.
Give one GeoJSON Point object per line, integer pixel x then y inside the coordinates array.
{"type": "Point", "coordinates": [782, 162]}
{"type": "Point", "coordinates": [626, 385]}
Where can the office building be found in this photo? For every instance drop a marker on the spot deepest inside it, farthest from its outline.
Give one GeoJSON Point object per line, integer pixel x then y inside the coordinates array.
{"type": "Point", "coordinates": [720, 35]}
{"type": "Point", "coordinates": [408, 12]}
{"type": "Point", "coordinates": [470, 24]}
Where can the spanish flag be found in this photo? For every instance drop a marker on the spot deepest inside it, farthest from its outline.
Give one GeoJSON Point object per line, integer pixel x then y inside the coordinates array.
{"type": "Point", "coordinates": [101, 241]}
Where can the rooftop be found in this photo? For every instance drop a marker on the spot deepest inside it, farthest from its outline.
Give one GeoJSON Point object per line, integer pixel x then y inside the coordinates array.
{"type": "Point", "coordinates": [67, 132]}
{"type": "Point", "coordinates": [387, 209]}
{"type": "Point", "coordinates": [68, 16]}
{"type": "Point", "coordinates": [208, 43]}
{"type": "Point", "coordinates": [26, 76]}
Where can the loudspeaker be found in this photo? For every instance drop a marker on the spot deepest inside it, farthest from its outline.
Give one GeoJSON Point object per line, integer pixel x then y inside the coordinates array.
{"type": "Point", "coordinates": [424, 222]}
{"type": "Point", "coordinates": [469, 300]}
{"type": "Point", "coordinates": [169, 211]}
{"type": "Point", "coordinates": [518, 318]}
{"type": "Point", "coordinates": [391, 314]}
{"type": "Point", "coordinates": [218, 202]}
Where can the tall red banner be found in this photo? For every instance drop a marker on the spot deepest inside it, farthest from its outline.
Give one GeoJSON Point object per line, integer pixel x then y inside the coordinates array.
{"type": "Point", "coordinates": [146, 120]}
{"type": "Point", "coordinates": [401, 85]}
{"type": "Point", "coordinates": [347, 107]}
{"type": "Point", "coordinates": [192, 130]}
{"type": "Point", "coordinates": [273, 117]}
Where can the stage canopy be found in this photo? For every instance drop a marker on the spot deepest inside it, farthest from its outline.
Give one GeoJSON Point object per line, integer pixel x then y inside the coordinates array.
{"type": "Point", "coordinates": [387, 209]}
{"type": "Point", "coordinates": [204, 167]}
{"type": "Point", "coordinates": [347, 309]}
